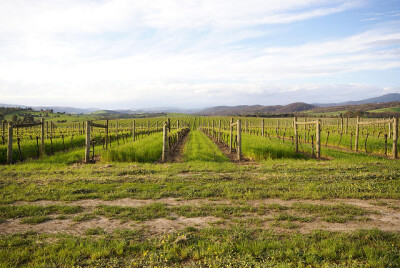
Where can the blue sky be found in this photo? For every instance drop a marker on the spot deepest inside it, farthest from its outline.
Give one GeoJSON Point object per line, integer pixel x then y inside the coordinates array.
{"type": "Point", "coordinates": [187, 53]}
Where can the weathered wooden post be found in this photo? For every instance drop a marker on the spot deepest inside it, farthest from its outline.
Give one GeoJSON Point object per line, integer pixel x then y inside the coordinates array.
{"type": "Point", "coordinates": [106, 138]}
{"type": "Point", "coordinates": [347, 124]}
{"type": "Point", "coordinates": [213, 135]}
{"type": "Point", "coordinates": [219, 131]}
{"type": "Point", "coordinates": [169, 124]}
{"type": "Point", "coordinates": [87, 144]}
{"type": "Point", "coordinates": [395, 136]}
{"type": "Point", "coordinates": [230, 136]}
{"type": "Point", "coordinates": [239, 140]}
{"type": "Point", "coordinates": [42, 138]}
{"type": "Point", "coordinates": [262, 127]}
{"type": "Point", "coordinates": [177, 124]}
{"type": "Point", "coordinates": [341, 124]}
{"type": "Point", "coordinates": [47, 129]}
{"type": "Point", "coordinates": [296, 137]}
{"type": "Point", "coordinates": [134, 130]}
{"type": "Point", "coordinates": [318, 137]}
{"type": "Point", "coordinates": [357, 134]}
{"type": "Point", "coordinates": [164, 156]}
{"type": "Point", "coordinates": [10, 142]}
{"type": "Point", "coordinates": [390, 130]}
{"type": "Point", "coordinates": [4, 131]}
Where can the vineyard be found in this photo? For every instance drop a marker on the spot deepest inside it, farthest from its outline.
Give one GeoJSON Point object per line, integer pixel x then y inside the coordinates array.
{"type": "Point", "coordinates": [118, 140]}
{"type": "Point", "coordinates": [195, 191]}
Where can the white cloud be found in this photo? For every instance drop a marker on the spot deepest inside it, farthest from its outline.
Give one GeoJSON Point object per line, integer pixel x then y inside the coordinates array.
{"type": "Point", "coordinates": [140, 51]}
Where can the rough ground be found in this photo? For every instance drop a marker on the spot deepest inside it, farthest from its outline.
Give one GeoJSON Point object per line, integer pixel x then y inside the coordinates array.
{"type": "Point", "coordinates": [383, 214]}
{"type": "Point", "coordinates": [176, 154]}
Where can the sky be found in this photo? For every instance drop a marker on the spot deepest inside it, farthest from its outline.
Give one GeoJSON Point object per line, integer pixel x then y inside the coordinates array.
{"type": "Point", "coordinates": [126, 54]}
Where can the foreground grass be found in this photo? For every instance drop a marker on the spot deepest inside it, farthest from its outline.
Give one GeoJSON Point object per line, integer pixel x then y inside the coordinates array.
{"type": "Point", "coordinates": [360, 176]}
{"type": "Point", "coordinates": [210, 247]}
{"type": "Point", "coordinates": [200, 148]}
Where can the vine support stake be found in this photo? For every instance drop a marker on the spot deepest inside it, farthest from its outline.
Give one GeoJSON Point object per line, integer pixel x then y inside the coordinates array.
{"type": "Point", "coordinates": [164, 156]}
{"type": "Point", "coordinates": [357, 134]}
{"type": "Point", "coordinates": [87, 148]}
{"type": "Point", "coordinates": [106, 138]}
{"type": "Point", "coordinates": [10, 141]}
{"type": "Point", "coordinates": [239, 139]}
{"type": "Point", "coordinates": [296, 137]}
{"type": "Point", "coordinates": [42, 138]}
{"type": "Point", "coordinates": [134, 130]}
{"type": "Point", "coordinates": [395, 137]}
{"type": "Point", "coordinates": [231, 136]}
{"type": "Point", "coordinates": [318, 137]}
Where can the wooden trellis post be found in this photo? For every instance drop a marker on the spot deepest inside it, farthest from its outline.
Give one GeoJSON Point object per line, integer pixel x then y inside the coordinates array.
{"type": "Point", "coordinates": [357, 134]}
{"type": "Point", "coordinates": [231, 136]}
{"type": "Point", "coordinates": [164, 156]}
{"type": "Point", "coordinates": [42, 138]}
{"type": "Point", "coordinates": [4, 130]}
{"type": "Point", "coordinates": [318, 137]}
{"type": "Point", "coordinates": [134, 130]}
{"type": "Point", "coordinates": [10, 142]}
{"type": "Point", "coordinates": [239, 140]}
{"type": "Point", "coordinates": [341, 124]}
{"type": "Point", "coordinates": [262, 127]}
{"type": "Point", "coordinates": [395, 137]}
{"type": "Point", "coordinates": [106, 138]}
{"type": "Point", "coordinates": [87, 144]}
{"type": "Point", "coordinates": [296, 137]}
{"type": "Point", "coordinates": [47, 129]}
{"type": "Point", "coordinates": [219, 131]}
{"type": "Point", "coordinates": [212, 129]}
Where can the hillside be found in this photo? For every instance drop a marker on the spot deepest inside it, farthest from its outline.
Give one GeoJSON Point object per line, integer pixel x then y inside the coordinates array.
{"type": "Point", "coordinates": [391, 97]}
{"type": "Point", "coordinates": [257, 109]}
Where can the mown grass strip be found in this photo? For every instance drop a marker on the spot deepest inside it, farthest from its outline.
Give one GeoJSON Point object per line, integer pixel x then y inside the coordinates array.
{"type": "Point", "coordinates": [200, 148]}
{"type": "Point", "coordinates": [209, 247]}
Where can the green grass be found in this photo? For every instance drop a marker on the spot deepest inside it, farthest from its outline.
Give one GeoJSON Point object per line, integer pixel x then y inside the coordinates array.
{"type": "Point", "coordinates": [211, 247]}
{"type": "Point", "coordinates": [200, 148]}
{"type": "Point", "coordinates": [148, 149]}
{"type": "Point", "coordinates": [36, 210]}
{"type": "Point", "coordinates": [246, 232]}
{"type": "Point", "coordinates": [389, 109]}
{"type": "Point", "coordinates": [35, 219]}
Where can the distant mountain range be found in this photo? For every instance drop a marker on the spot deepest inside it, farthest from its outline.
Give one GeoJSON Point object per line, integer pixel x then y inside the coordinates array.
{"type": "Point", "coordinates": [392, 97]}
{"type": "Point", "coordinates": [220, 110]}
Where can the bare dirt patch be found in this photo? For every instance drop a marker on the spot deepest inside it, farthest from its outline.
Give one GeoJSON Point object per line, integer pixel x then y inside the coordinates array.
{"type": "Point", "coordinates": [382, 214]}
{"type": "Point", "coordinates": [176, 154]}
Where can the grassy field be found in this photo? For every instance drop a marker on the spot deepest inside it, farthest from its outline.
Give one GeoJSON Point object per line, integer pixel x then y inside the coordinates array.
{"type": "Point", "coordinates": [276, 208]}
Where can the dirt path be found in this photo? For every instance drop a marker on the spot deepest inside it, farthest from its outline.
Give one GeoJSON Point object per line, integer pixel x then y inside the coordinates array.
{"type": "Point", "coordinates": [232, 156]}
{"type": "Point", "coordinates": [383, 214]}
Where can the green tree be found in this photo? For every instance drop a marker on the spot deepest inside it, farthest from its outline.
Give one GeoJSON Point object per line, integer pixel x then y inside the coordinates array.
{"type": "Point", "coordinates": [14, 118]}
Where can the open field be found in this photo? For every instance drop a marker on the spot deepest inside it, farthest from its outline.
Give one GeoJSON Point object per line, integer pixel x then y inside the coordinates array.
{"type": "Point", "coordinates": [274, 208]}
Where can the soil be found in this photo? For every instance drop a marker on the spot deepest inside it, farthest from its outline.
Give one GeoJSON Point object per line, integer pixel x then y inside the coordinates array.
{"type": "Point", "coordinates": [383, 214]}
{"type": "Point", "coordinates": [176, 154]}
